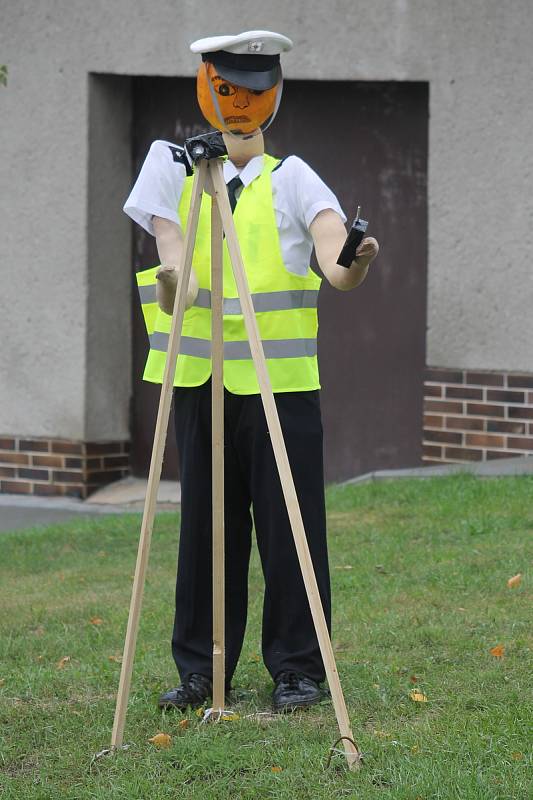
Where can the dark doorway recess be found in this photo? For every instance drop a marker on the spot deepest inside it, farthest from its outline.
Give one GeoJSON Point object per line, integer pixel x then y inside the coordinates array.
{"type": "Point", "coordinates": [370, 147]}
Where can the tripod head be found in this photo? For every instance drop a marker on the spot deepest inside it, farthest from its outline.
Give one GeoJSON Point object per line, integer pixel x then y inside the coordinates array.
{"type": "Point", "coordinates": [207, 145]}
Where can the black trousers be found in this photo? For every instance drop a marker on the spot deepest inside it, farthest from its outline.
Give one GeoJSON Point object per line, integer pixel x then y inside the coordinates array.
{"type": "Point", "coordinates": [251, 481]}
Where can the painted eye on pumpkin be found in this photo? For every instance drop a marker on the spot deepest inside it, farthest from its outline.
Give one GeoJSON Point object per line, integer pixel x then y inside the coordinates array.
{"type": "Point", "coordinates": [225, 89]}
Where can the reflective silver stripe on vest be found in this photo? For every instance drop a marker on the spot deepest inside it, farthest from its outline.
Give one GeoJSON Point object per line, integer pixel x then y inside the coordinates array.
{"type": "Point", "coordinates": [147, 294]}
{"type": "Point", "coordinates": [273, 348]}
{"type": "Point", "coordinates": [237, 351]}
{"type": "Point", "coordinates": [275, 301]}
{"type": "Point", "coordinates": [203, 299]}
{"type": "Point", "coordinates": [262, 301]}
{"type": "Point", "coordinates": [189, 346]}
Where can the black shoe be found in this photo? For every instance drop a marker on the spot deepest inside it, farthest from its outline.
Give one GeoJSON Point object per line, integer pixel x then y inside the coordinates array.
{"type": "Point", "coordinates": [294, 690]}
{"type": "Point", "coordinates": [193, 692]}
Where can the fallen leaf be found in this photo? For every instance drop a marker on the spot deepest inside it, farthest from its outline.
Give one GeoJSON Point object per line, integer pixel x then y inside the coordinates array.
{"type": "Point", "coordinates": [38, 631]}
{"type": "Point", "coordinates": [116, 659]}
{"type": "Point", "coordinates": [414, 749]}
{"type": "Point", "coordinates": [62, 661]}
{"type": "Point", "coordinates": [255, 657]}
{"type": "Point", "coordinates": [418, 697]}
{"type": "Point", "coordinates": [276, 769]}
{"type": "Point", "coordinates": [414, 679]}
{"type": "Point", "coordinates": [517, 756]}
{"type": "Point", "coordinates": [161, 740]}
{"type": "Point", "coordinates": [515, 581]}
{"type": "Point", "coordinates": [96, 621]}
{"type": "Point", "coordinates": [380, 568]}
{"type": "Point", "coordinates": [2, 681]}
{"type": "Point", "coordinates": [497, 651]}
{"type": "Point", "coordinates": [40, 658]}
{"type": "Point", "coordinates": [344, 566]}
{"type": "Point", "coordinates": [184, 724]}
{"type": "Point", "coordinates": [461, 609]}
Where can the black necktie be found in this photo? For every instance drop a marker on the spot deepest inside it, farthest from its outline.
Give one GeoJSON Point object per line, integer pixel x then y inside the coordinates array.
{"type": "Point", "coordinates": [232, 187]}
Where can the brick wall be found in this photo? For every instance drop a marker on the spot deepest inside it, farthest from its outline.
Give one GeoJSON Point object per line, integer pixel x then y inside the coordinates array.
{"type": "Point", "coordinates": [58, 467]}
{"type": "Point", "coordinates": [476, 416]}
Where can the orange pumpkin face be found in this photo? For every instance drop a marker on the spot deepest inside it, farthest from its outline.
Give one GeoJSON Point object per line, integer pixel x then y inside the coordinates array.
{"type": "Point", "coordinates": [243, 110]}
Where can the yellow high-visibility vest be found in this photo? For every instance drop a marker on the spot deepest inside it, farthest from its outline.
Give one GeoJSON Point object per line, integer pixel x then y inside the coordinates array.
{"type": "Point", "coordinates": [284, 303]}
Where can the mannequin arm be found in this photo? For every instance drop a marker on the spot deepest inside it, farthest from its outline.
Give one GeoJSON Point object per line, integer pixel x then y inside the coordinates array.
{"type": "Point", "coordinates": [329, 235]}
{"type": "Point", "coordinates": [169, 240]}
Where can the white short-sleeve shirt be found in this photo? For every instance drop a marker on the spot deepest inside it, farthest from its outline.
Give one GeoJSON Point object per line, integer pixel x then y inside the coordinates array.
{"type": "Point", "coordinates": [298, 195]}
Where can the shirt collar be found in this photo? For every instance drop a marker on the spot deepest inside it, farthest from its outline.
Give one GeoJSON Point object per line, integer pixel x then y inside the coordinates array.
{"type": "Point", "coordinates": [249, 173]}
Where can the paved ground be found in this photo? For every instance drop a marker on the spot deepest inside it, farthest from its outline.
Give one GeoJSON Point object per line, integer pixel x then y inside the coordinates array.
{"type": "Point", "coordinates": [500, 467]}
{"type": "Point", "coordinates": [14, 517]}
{"type": "Point", "coordinates": [127, 495]}
{"type": "Point", "coordinates": [18, 511]}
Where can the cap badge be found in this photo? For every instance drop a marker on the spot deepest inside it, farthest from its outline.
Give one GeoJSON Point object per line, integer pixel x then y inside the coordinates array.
{"type": "Point", "coordinates": [255, 46]}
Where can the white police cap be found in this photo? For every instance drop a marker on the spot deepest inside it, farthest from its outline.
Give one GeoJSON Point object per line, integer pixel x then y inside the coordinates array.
{"type": "Point", "coordinates": [248, 59]}
{"type": "Point", "coordinates": [266, 43]}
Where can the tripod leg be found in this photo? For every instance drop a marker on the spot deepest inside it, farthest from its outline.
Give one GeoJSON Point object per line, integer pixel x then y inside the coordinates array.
{"type": "Point", "coordinates": [353, 756]}
{"type": "Point", "coordinates": [156, 462]}
{"type": "Point", "coordinates": [217, 420]}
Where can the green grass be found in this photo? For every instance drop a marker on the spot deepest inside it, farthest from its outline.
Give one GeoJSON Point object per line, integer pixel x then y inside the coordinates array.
{"type": "Point", "coordinates": [419, 572]}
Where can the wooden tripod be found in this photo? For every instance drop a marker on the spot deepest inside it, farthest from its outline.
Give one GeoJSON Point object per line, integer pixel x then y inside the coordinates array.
{"type": "Point", "coordinates": [209, 176]}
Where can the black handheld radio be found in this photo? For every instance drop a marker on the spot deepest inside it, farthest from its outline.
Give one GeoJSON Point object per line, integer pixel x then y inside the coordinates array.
{"type": "Point", "coordinates": [353, 240]}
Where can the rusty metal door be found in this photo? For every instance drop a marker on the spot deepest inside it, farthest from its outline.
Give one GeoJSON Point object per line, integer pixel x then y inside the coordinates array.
{"type": "Point", "coordinates": [371, 149]}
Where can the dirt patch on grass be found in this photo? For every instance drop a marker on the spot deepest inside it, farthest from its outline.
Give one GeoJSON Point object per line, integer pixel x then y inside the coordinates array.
{"type": "Point", "coordinates": [20, 766]}
{"type": "Point", "coordinates": [353, 519]}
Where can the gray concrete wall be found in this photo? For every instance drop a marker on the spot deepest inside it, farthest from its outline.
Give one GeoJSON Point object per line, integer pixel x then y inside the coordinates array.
{"type": "Point", "coordinates": [57, 310]}
{"type": "Point", "coordinates": [108, 339]}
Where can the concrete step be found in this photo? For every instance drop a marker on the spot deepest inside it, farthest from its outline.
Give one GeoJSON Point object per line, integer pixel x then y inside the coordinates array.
{"type": "Point", "coordinates": [131, 492]}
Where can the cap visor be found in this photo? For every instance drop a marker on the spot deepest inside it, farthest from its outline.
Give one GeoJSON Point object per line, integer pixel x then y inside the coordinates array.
{"type": "Point", "coordinates": [250, 80]}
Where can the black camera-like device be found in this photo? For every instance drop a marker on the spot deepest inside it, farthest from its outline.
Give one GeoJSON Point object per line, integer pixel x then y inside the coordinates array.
{"type": "Point", "coordinates": [207, 145]}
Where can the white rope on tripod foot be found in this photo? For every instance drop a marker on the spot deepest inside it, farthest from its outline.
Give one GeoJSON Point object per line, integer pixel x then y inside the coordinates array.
{"type": "Point", "coordinates": [219, 714]}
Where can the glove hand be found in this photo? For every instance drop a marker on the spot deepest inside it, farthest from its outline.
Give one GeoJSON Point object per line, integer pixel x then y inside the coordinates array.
{"type": "Point", "coordinates": [167, 283]}
{"type": "Point", "coordinates": [366, 252]}
{"type": "Point", "coordinates": [168, 275]}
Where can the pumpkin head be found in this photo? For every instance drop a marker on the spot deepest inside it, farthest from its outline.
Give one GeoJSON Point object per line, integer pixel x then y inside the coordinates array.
{"type": "Point", "coordinates": [240, 110]}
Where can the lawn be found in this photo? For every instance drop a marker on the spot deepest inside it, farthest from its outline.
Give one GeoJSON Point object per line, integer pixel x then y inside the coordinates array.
{"type": "Point", "coordinates": [421, 598]}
